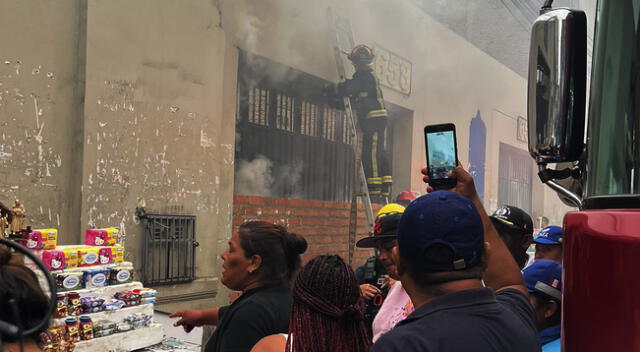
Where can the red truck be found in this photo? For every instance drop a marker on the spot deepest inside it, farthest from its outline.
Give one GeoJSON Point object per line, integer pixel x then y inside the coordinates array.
{"type": "Point", "coordinates": [601, 293]}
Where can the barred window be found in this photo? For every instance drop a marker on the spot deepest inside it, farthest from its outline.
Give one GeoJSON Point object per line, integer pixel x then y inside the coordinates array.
{"type": "Point", "coordinates": [329, 123]}
{"type": "Point", "coordinates": [308, 119]}
{"type": "Point", "coordinates": [285, 111]}
{"type": "Point", "coordinates": [259, 106]}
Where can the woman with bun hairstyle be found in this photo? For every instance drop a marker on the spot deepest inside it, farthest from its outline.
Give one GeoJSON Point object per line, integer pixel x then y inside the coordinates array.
{"type": "Point", "coordinates": [261, 260]}
{"type": "Point", "coordinates": [21, 300]}
{"type": "Point", "coordinates": [327, 312]}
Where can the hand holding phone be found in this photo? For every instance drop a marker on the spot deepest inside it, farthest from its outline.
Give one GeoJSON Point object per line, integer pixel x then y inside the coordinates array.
{"type": "Point", "coordinates": [442, 155]}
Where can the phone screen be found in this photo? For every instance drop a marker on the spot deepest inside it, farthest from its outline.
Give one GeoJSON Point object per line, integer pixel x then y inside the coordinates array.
{"type": "Point", "coordinates": [441, 147]}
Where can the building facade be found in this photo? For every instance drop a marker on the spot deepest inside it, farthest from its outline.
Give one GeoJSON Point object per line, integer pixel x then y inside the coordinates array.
{"type": "Point", "coordinates": [212, 111]}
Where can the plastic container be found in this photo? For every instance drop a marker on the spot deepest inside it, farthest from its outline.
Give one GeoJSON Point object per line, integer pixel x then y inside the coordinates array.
{"type": "Point", "coordinates": [72, 328]}
{"type": "Point", "coordinates": [86, 328]}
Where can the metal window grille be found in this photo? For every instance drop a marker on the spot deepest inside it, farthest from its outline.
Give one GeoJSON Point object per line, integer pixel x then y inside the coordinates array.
{"type": "Point", "coordinates": [308, 116]}
{"type": "Point", "coordinates": [258, 106]}
{"type": "Point", "coordinates": [169, 249]}
{"type": "Point", "coordinates": [329, 123]}
{"type": "Point", "coordinates": [285, 110]}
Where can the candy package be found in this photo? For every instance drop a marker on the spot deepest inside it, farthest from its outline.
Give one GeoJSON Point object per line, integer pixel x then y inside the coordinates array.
{"type": "Point", "coordinates": [112, 304]}
{"type": "Point", "coordinates": [54, 260]}
{"type": "Point", "coordinates": [48, 238]}
{"type": "Point", "coordinates": [70, 257]}
{"type": "Point", "coordinates": [88, 256]}
{"type": "Point", "coordinates": [101, 237]}
{"type": "Point", "coordinates": [105, 256]}
{"type": "Point", "coordinates": [68, 281]}
{"type": "Point", "coordinates": [95, 278]}
{"type": "Point", "coordinates": [91, 304]}
{"type": "Point", "coordinates": [121, 274]}
{"type": "Point", "coordinates": [117, 253]}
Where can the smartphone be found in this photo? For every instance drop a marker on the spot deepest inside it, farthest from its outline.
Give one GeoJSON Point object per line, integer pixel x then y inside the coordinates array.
{"type": "Point", "coordinates": [442, 154]}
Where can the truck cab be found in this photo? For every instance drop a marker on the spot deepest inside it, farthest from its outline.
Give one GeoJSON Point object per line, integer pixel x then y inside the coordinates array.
{"type": "Point", "coordinates": [597, 158]}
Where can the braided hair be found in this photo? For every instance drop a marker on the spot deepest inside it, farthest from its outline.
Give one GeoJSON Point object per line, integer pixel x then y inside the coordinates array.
{"type": "Point", "coordinates": [279, 249]}
{"type": "Point", "coordinates": [327, 311]}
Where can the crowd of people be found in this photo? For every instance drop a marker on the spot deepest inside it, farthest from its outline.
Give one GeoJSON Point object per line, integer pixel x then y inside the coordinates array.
{"type": "Point", "coordinates": [446, 277]}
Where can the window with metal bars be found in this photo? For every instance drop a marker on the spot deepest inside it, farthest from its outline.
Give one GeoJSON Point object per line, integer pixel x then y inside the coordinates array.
{"type": "Point", "coordinates": [284, 117]}
{"type": "Point", "coordinates": [169, 249]}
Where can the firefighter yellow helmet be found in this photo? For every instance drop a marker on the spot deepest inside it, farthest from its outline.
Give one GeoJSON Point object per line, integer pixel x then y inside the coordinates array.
{"type": "Point", "coordinates": [391, 208]}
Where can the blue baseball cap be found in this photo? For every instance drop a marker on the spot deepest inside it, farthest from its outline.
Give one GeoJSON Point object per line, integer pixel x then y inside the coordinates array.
{"type": "Point", "coordinates": [549, 235]}
{"type": "Point", "coordinates": [545, 277]}
{"type": "Point", "coordinates": [443, 218]}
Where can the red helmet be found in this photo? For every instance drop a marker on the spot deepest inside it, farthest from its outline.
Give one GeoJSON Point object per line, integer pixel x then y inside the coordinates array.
{"type": "Point", "coordinates": [406, 195]}
{"type": "Point", "coordinates": [361, 55]}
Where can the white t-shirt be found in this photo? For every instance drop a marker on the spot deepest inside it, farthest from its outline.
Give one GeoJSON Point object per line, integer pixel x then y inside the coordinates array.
{"type": "Point", "coordinates": [396, 306]}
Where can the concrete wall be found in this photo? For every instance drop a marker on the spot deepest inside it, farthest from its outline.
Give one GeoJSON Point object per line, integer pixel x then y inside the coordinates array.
{"type": "Point", "coordinates": [154, 130]}
{"type": "Point", "coordinates": [106, 105]}
{"type": "Point", "coordinates": [40, 110]}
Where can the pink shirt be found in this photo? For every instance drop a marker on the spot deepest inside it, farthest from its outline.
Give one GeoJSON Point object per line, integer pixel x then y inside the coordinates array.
{"type": "Point", "coordinates": [396, 306]}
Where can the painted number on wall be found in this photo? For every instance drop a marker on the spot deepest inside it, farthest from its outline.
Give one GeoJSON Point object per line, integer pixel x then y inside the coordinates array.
{"type": "Point", "coordinates": [392, 70]}
{"type": "Point", "coordinates": [523, 129]}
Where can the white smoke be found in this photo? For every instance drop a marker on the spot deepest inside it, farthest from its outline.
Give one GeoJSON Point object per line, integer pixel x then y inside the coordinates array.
{"type": "Point", "coordinates": [253, 178]}
{"type": "Point", "coordinates": [259, 177]}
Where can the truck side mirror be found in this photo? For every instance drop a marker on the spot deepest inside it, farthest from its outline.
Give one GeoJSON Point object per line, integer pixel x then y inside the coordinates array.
{"type": "Point", "coordinates": [557, 86]}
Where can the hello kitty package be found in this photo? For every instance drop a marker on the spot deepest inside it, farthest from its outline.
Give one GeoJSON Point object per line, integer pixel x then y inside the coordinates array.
{"type": "Point", "coordinates": [101, 237]}
{"type": "Point", "coordinates": [54, 260]}
{"type": "Point", "coordinates": [105, 256]}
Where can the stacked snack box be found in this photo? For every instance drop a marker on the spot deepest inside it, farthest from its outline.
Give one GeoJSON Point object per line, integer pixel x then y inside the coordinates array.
{"type": "Point", "coordinates": [91, 279]}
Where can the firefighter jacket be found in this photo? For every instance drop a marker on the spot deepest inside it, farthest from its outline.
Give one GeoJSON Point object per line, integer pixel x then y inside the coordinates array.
{"type": "Point", "coordinates": [364, 89]}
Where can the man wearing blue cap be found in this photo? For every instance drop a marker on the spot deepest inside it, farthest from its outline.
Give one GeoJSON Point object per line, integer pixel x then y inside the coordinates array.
{"type": "Point", "coordinates": [549, 244]}
{"type": "Point", "coordinates": [543, 279]}
{"type": "Point", "coordinates": [447, 248]}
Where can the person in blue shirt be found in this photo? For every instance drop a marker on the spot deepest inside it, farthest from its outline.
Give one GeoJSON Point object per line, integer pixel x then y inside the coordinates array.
{"type": "Point", "coordinates": [543, 279]}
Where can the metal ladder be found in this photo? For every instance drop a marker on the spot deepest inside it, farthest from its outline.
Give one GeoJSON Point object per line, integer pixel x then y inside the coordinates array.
{"type": "Point", "coordinates": [343, 43]}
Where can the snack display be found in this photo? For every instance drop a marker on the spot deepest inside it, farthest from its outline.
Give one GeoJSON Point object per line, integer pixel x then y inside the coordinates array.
{"type": "Point", "coordinates": [86, 305]}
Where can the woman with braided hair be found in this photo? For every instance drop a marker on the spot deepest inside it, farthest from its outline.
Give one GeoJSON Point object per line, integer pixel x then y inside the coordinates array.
{"type": "Point", "coordinates": [261, 260]}
{"type": "Point", "coordinates": [326, 314]}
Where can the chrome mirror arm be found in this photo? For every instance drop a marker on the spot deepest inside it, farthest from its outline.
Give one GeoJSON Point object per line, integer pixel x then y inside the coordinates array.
{"type": "Point", "coordinates": [574, 198]}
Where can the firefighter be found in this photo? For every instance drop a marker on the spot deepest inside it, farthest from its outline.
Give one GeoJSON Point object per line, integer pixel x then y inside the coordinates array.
{"type": "Point", "coordinates": [364, 90]}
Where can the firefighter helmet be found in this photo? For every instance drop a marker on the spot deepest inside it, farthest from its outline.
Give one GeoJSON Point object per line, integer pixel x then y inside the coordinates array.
{"type": "Point", "coordinates": [361, 55]}
{"type": "Point", "coordinates": [390, 209]}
